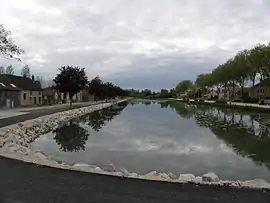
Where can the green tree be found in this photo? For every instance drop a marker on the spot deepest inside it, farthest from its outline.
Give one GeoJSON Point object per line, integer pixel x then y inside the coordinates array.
{"type": "Point", "coordinates": [8, 48]}
{"type": "Point", "coordinates": [2, 70]}
{"type": "Point", "coordinates": [10, 70]}
{"type": "Point", "coordinates": [183, 86]}
{"type": "Point", "coordinates": [26, 71]}
{"type": "Point", "coordinates": [164, 93]}
{"type": "Point", "coordinates": [70, 80]}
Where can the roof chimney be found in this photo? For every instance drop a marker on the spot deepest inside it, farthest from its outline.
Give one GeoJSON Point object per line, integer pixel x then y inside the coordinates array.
{"type": "Point", "coordinates": [33, 77]}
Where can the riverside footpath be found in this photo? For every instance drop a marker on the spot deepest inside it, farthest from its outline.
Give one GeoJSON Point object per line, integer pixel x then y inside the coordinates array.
{"type": "Point", "coordinates": [13, 116]}
{"type": "Point", "coordinates": [32, 183]}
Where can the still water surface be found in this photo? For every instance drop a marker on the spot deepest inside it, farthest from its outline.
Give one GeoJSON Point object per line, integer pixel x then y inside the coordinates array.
{"type": "Point", "coordinates": [168, 137]}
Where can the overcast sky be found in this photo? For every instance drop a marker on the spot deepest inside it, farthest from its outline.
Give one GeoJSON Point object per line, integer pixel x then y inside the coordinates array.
{"type": "Point", "coordinates": [135, 43]}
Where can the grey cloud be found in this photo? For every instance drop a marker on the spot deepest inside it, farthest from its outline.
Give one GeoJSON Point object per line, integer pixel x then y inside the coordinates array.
{"type": "Point", "coordinates": [157, 42]}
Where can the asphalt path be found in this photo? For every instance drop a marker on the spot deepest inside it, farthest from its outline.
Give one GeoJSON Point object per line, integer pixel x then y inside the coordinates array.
{"type": "Point", "coordinates": [35, 113]}
{"type": "Point", "coordinates": [29, 183]}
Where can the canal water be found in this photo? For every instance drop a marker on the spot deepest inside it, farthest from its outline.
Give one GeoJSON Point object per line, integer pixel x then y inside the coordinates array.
{"type": "Point", "coordinates": [167, 137]}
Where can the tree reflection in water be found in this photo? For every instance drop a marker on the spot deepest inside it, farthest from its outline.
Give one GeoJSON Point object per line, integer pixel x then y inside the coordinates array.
{"type": "Point", "coordinates": [71, 137]}
{"type": "Point", "coordinates": [247, 133]}
{"type": "Point", "coordinates": [98, 119]}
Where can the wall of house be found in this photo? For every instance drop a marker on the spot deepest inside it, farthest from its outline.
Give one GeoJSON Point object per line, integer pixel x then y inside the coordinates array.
{"type": "Point", "coordinates": [9, 99]}
{"type": "Point", "coordinates": [59, 98]}
{"type": "Point", "coordinates": [260, 92]}
{"type": "Point", "coordinates": [30, 98]}
{"type": "Point", "coordinates": [76, 98]}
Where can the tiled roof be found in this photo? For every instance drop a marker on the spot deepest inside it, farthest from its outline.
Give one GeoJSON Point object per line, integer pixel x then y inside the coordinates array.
{"type": "Point", "coordinates": [13, 82]}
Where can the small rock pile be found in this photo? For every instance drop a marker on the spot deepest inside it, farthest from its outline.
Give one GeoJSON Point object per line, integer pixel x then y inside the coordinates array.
{"type": "Point", "coordinates": [208, 178]}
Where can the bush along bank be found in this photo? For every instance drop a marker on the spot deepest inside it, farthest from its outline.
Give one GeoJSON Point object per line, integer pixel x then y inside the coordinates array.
{"type": "Point", "coordinates": [15, 142]}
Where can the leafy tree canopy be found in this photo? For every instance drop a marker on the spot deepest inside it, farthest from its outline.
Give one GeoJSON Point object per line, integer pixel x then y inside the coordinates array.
{"type": "Point", "coordinates": [8, 48]}
{"type": "Point", "coordinates": [10, 70]}
{"type": "Point", "coordinates": [183, 86]}
{"type": "Point", "coordinates": [70, 80]}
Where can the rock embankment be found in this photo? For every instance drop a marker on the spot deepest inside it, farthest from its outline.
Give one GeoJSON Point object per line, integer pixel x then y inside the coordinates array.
{"type": "Point", "coordinates": [15, 142]}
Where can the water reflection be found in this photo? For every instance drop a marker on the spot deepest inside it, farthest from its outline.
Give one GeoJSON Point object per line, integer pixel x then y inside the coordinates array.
{"type": "Point", "coordinates": [248, 134]}
{"type": "Point", "coordinates": [71, 137]}
{"type": "Point", "coordinates": [98, 119]}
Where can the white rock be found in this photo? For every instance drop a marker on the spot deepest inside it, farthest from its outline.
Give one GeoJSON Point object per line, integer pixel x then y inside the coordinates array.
{"type": "Point", "coordinates": [133, 175]}
{"type": "Point", "coordinates": [116, 174]}
{"type": "Point", "coordinates": [11, 139]}
{"type": "Point", "coordinates": [81, 167]}
{"type": "Point", "coordinates": [12, 147]}
{"type": "Point", "coordinates": [210, 177]}
{"type": "Point", "coordinates": [186, 177]}
{"type": "Point", "coordinates": [164, 176]}
{"type": "Point", "coordinates": [172, 176]}
{"type": "Point", "coordinates": [126, 173]}
{"type": "Point", "coordinates": [257, 183]}
{"type": "Point", "coordinates": [110, 168]}
{"type": "Point", "coordinates": [198, 179]}
{"type": "Point", "coordinates": [153, 175]}
{"type": "Point", "coordinates": [24, 150]}
{"type": "Point", "coordinates": [40, 156]}
{"type": "Point", "coordinates": [97, 169]}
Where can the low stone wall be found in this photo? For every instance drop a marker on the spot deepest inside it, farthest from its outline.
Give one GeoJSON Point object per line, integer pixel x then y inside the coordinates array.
{"type": "Point", "coordinates": [15, 143]}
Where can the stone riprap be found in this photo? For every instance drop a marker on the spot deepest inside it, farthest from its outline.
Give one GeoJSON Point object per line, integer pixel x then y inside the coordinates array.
{"type": "Point", "coordinates": [15, 143]}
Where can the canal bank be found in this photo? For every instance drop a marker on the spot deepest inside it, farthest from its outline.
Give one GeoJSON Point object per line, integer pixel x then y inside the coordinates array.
{"type": "Point", "coordinates": [235, 105]}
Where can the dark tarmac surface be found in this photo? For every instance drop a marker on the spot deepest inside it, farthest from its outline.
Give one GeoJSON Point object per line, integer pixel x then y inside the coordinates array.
{"type": "Point", "coordinates": [29, 183]}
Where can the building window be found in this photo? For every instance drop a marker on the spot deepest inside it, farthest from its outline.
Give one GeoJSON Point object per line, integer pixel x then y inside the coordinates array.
{"type": "Point", "coordinates": [39, 100]}
{"type": "Point", "coordinates": [39, 93]}
{"type": "Point", "coordinates": [24, 96]}
{"type": "Point", "coordinates": [31, 93]}
{"type": "Point", "coordinates": [2, 84]}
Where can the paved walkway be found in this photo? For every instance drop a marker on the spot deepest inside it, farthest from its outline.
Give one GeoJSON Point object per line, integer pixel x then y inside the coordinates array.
{"type": "Point", "coordinates": [29, 183]}
{"type": "Point", "coordinates": [19, 115]}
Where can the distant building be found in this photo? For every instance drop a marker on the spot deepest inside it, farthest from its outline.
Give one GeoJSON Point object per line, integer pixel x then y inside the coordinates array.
{"type": "Point", "coordinates": [230, 93]}
{"type": "Point", "coordinates": [51, 96]}
{"type": "Point", "coordinates": [19, 91]}
{"type": "Point", "coordinates": [212, 94]}
{"type": "Point", "coordinates": [261, 90]}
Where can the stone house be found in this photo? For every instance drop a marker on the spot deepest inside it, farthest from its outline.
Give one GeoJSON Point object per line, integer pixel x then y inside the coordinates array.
{"type": "Point", "coordinates": [212, 94]}
{"type": "Point", "coordinates": [51, 96]}
{"type": "Point", "coordinates": [9, 95]}
{"type": "Point", "coordinates": [261, 90]}
{"type": "Point", "coordinates": [233, 93]}
{"type": "Point", "coordinates": [28, 90]}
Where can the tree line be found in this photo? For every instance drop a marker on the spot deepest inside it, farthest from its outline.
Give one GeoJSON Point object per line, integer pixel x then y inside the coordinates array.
{"type": "Point", "coordinates": [245, 69]}
{"type": "Point", "coordinates": [148, 94]}
{"type": "Point", "coordinates": [73, 79]}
